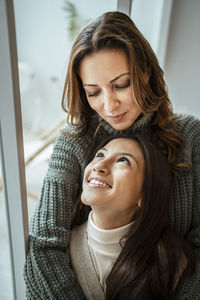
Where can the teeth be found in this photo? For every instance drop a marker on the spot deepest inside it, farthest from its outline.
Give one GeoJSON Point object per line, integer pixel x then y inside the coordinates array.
{"type": "Point", "coordinates": [97, 182]}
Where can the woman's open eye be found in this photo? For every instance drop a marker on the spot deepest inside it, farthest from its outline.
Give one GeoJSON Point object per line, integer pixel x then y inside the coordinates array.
{"type": "Point", "coordinates": [124, 160]}
{"type": "Point", "coordinates": [123, 85]}
{"type": "Point", "coordinates": [99, 154]}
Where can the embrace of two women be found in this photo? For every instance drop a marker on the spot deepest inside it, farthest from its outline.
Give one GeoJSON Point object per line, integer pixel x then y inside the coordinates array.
{"type": "Point", "coordinates": [119, 212]}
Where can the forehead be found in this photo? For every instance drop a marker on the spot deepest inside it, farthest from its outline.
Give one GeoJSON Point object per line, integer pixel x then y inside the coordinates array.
{"type": "Point", "coordinates": [121, 145]}
{"type": "Point", "coordinates": [103, 64]}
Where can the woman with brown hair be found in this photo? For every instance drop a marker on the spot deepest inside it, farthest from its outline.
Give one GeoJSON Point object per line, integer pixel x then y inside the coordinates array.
{"type": "Point", "coordinates": [126, 249]}
{"type": "Point", "coordinates": [114, 85]}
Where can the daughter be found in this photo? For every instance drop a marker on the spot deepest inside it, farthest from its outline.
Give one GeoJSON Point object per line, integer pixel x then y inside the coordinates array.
{"type": "Point", "coordinates": [124, 248]}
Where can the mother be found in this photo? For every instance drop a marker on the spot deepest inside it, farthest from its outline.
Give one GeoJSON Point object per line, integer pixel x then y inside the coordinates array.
{"type": "Point", "coordinates": [114, 85]}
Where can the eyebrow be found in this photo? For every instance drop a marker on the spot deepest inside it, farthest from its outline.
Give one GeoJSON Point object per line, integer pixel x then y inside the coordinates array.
{"type": "Point", "coordinates": [119, 76]}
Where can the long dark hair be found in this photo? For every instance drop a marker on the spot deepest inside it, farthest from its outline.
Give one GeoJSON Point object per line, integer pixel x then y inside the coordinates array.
{"type": "Point", "coordinates": [154, 258]}
{"type": "Point", "coordinates": [115, 30]}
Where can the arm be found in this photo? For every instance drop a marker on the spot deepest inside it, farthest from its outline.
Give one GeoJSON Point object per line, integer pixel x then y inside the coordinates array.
{"type": "Point", "coordinates": [48, 272]}
{"type": "Point", "coordinates": [189, 287]}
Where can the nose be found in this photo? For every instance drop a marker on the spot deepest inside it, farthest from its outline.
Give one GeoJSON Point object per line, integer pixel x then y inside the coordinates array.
{"type": "Point", "coordinates": [101, 167]}
{"type": "Point", "coordinates": [110, 101]}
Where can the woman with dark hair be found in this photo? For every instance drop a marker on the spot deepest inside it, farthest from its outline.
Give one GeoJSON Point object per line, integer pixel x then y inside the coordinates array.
{"type": "Point", "coordinates": [126, 248]}
{"type": "Point", "coordinates": [114, 85]}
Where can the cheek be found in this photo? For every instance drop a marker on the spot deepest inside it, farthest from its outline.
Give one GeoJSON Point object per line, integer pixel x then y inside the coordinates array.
{"type": "Point", "coordinates": [129, 100]}
{"type": "Point", "coordinates": [85, 199]}
{"type": "Point", "coordinates": [129, 187]}
{"type": "Point", "coordinates": [127, 96]}
{"type": "Point", "coordinates": [83, 196]}
{"type": "Point", "coordinates": [133, 106]}
{"type": "Point", "coordinates": [90, 102]}
{"type": "Point", "coordinates": [86, 174]}
{"type": "Point", "coordinates": [95, 105]}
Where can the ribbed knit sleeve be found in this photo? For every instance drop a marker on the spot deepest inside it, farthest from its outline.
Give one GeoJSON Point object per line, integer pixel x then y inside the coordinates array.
{"type": "Point", "coordinates": [189, 287]}
{"type": "Point", "coordinates": [48, 272]}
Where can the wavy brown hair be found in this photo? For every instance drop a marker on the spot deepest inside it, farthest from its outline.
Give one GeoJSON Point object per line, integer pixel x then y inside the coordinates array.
{"type": "Point", "coordinates": [154, 258]}
{"type": "Point", "coordinates": [115, 30]}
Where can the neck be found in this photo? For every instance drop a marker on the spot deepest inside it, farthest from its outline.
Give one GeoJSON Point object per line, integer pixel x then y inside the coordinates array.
{"type": "Point", "coordinates": [108, 221]}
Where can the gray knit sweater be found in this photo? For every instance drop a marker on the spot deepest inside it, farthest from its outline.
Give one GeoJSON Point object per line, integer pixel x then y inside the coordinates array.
{"type": "Point", "coordinates": [48, 272]}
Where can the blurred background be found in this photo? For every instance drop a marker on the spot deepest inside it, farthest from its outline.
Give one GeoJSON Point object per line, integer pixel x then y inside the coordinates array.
{"type": "Point", "coordinates": [45, 31]}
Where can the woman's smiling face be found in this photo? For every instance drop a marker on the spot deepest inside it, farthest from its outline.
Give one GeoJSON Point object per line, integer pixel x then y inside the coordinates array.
{"type": "Point", "coordinates": [113, 180]}
{"type": "Point", "coordinates": [106, 80]}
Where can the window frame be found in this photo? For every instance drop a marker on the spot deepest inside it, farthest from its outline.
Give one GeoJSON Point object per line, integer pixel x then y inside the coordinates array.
{"type": "Point", "coordinates": [12, 150]}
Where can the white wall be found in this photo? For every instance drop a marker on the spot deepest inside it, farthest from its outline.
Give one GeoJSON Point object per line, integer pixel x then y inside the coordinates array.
{"type": "Point", "coordinates": [182, 65]}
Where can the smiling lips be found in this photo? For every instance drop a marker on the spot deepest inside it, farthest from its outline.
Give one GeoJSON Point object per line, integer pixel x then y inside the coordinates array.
{"type": "Point", "coordinates": [98, 182]}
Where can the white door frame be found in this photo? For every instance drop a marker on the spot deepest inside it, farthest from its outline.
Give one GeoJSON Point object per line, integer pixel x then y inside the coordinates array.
{"type": "Point", "coordinates": [12, 151]}
{"type": "Point", "coordinates": [124, 6]}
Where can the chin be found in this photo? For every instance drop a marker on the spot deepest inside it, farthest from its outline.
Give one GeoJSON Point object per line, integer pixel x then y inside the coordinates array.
{"type": "Point", "coordinates": [88, 200]}
{"type": "Point", "coordinates": [85, 200]}
{"type": "Point", "coordinates": [121, 126]}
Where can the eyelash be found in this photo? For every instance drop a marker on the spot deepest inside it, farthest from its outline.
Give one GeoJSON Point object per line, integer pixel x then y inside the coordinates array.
{"type": "Point", "coordinates": [124, 159]}
{"type": "Point", "coordinates": [93, 94]}
{"type": "Point", "coordinates": [121, 159]}
{"type": "Point", "coordinates": [122, 86]}
{"type": "Point", "coordinates": [98, 154]}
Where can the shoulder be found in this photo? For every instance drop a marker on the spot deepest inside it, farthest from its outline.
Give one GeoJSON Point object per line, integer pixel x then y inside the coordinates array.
{"type": "Point", "coordinates": [186, 123]}
{"type": "Point", "coordinates": [188, 126]}
{"type": "Point", "coordinates": [78, 231]}
{"type": "Point", "coordinates": [78, 236]}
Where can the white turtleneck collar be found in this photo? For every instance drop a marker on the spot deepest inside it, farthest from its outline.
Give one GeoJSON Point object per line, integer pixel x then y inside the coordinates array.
{"type": "Point", "coordinates": [106, 237]}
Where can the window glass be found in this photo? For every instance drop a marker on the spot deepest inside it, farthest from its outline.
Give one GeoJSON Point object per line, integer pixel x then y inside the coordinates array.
{"type": "Point", "coordinates": [45, 32]}
{"type": "Point", "coordinates": [147, 17]}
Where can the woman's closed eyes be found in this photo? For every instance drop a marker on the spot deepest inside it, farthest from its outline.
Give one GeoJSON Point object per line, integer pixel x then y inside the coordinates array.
{"type": "Point", "coordinates": [122, 86]}
{"type": "Point", "coordinates": [115, 87]}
